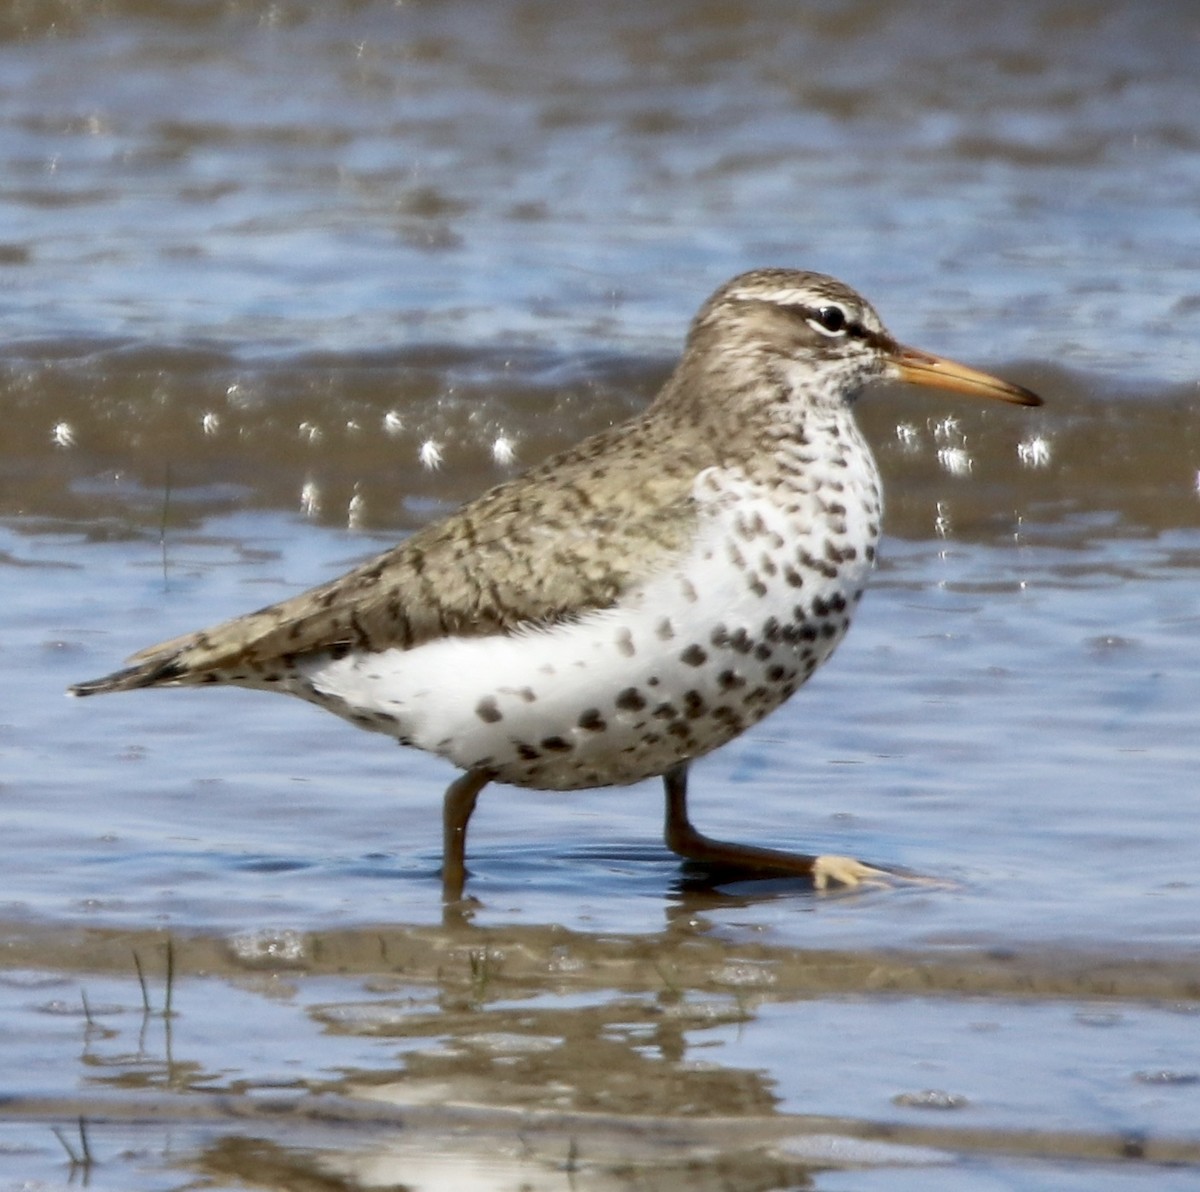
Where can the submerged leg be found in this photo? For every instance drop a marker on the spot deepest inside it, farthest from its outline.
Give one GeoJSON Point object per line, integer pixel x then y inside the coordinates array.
{"type": "Point", "coordinates": [683, 839]}
{"type": "Point", "coordinates": [457, 806]}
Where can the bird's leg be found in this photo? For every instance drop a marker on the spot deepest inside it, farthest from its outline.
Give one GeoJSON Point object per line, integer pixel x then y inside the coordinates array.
{"type": "Point", "coordinates": [683, 839]}
{"type": "Point", "coordinates": [457, 806]}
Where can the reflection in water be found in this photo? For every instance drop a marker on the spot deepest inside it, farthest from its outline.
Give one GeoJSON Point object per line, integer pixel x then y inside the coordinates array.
{"type": "Point", "coordinates": [421, 1057]}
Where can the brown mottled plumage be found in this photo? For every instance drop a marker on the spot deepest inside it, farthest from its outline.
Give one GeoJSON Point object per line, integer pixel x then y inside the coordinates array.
{"type": "Point", "coordinates": [568, 536]}
{"type": "Point", "coordinates": [633, 602]}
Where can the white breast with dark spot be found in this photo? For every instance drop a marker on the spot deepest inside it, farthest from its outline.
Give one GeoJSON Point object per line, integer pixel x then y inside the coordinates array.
{"type": "Point", "coordinates": [682, 664]}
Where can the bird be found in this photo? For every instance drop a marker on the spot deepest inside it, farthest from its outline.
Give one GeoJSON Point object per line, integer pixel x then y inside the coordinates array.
{"type": "Point", "coordinates": [631, 603]}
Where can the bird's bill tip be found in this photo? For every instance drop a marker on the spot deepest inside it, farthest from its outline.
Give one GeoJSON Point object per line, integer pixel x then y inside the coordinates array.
{"type": "Point", "coordinates": [936, 372]}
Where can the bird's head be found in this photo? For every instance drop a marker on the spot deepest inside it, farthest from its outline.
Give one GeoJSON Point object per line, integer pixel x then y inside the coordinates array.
{"type": "Point", "coordinates": [823, 339]}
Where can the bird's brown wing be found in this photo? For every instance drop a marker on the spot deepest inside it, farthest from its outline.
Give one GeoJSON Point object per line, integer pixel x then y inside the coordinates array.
{"type": "Point", "coordinates": [568, 537]}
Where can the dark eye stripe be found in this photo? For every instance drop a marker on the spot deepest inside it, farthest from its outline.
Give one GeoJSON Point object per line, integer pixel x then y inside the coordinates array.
{"type": "Point", "coordinates": [854, 330]}
{"type": "Point", "coordinates": [818, 315]}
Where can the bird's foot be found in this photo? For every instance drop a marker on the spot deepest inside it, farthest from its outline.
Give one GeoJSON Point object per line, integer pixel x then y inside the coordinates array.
{"type": "Point", "coordinates": [831, 869]}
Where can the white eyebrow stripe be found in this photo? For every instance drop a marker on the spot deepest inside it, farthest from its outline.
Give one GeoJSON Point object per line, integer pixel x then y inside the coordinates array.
{"type": "Point", "coordinates": [784, 297]}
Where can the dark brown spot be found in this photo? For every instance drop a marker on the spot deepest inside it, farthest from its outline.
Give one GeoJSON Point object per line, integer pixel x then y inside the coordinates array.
{"type": "Point", "coordinates": [694, 655]}
{"type": "Point", "coordinates": [793, 577]}
{"type": "Point", "coordinates": [763, 651]}
{"type": "Point", "coordinates": [360, 634]}
{"type": "Point", "coordinates": [751, 527]}
{"type": "Point", "coordinates": [869, 551]}
{"type": "Point", "coordinates": [771, 629]}
{"type": "Point", "coordinates": [557, 745]}
{"type": "Point", "coordinates": [487, 711]}
{"type": "Point", "coordinates": [741, 642]}
{"type": "Point", "coordinates": [720, 637]}
{"type": "Point", "coordinates": [666, 712]}
{"type": "Point", "coordinates": [729, 680]}
{"type": "Point", "coordinates": [694, 705]}
{"type": "Point", "coordinates": [776, 672]}
{"type": "Point", "coordinates": [724, 714]}
{"type": "Point", "coordinates": [592, 721]}
{"type": "Point", "coordinates": [526, 752]}
{"type": "Point", "coordinates": [631, 700]}
{"type": "Point", "coordinates": [757, 587]}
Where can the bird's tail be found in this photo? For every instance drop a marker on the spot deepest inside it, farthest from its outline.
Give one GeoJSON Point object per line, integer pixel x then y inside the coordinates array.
{"type": "Point", "coordinates": [153, 673]}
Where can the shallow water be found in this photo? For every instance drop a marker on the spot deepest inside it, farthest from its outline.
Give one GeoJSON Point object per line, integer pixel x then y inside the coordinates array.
{"type": "Point", "coordinates": [282, 285]}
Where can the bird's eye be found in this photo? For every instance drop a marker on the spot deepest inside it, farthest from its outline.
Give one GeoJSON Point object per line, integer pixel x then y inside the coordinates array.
{"type": "Point", "coordinates": [828, 320]}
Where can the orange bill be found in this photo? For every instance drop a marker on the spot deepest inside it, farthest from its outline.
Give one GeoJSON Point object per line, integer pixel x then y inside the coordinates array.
{"type": "Point", "coordinates": [921, 368]}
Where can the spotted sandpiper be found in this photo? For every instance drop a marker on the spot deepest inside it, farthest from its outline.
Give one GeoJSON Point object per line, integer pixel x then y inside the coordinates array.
{"type": "Point", "coordinates": [630, 604]}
